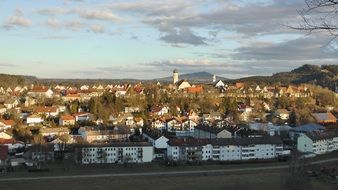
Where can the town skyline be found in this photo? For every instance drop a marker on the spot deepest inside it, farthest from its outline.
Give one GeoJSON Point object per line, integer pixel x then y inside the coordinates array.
{"type": "Point", "coordinates": [147, 40]}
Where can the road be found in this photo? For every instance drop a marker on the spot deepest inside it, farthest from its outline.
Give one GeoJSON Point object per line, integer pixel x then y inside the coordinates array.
{"type": "Point", "coordinates": [144, 174]}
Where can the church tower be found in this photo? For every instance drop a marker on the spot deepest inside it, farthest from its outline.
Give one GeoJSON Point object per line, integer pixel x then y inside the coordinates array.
{"type": "Point", "coordinates": [175, 76]}
{"type": "Point", "coordinates": [214, 78]}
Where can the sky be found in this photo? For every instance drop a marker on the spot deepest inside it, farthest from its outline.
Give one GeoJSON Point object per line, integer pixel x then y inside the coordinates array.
{"type": "Point", "coordinates": [147, 39]}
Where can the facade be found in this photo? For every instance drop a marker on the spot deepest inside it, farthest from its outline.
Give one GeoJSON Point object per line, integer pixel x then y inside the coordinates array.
{"type": "Point", "coordinates": [66, 120]}
{"type": "Point", "coordinates": [317, 143]}
{"type": "Point", "coordinates": [34, 119]}
{"type": "Point", "coordinates": [96, 135]}
{"type": "Point", "coordinates": [118, 152]}
{"type": "Point", "coordinates": [226, 149]}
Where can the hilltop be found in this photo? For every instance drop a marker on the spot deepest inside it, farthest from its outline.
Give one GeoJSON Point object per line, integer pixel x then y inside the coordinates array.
{"type": "Point", "coordinates": [325, 76]}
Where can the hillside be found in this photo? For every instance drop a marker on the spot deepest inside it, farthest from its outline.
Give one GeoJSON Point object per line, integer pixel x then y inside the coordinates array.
{"type": "Point", "coordinates": [325, 75]}
{"type": "Point", "coordinates": [194, 77]}
{"type": "Point", "coordinates": [14, 80]}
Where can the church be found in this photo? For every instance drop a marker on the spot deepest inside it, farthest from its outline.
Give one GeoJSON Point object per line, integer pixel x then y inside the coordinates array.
{"type": "Point", "coordinates": [179, 84]}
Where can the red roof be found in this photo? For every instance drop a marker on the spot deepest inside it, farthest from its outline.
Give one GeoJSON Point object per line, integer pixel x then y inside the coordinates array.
{"type": "Point", "coordinates": [67, 117]}
{"type": "Point", "coordinates": [39, 89]}
{"type": "Point", "coordinates": [8, 122]}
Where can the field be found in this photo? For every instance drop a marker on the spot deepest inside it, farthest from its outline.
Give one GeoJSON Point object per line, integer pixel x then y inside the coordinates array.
{"type": "Point", "coordinates": [242, 176]}
{"type": "Point", "coordinates": [269, 180]}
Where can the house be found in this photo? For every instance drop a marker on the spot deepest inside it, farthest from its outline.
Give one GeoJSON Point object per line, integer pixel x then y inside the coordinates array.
{"type": "Point", "coordinates": [324, 118]}
{"type": "Point", "coordinates": [116, 152]}
{"type": "Point", "coordinates": [156, 138]}
{"type": "Point", "coordinates": [213, 116]}
{"type": "Point", "coordinates": [34, 119]}
{"type": "Point", "coordinates": [194, 89]}
{"type": "Point", "coordinates": [6, 138]}
{"type": "Point", "coordinates": [189, 124]}
{"type": "Point", "coordinates": [56, 131]}
{"type": "Point", "coordinates": [317, 143]}
{"type": "Point", "coordinates": [139, 121]}
{"type": "Point", "coordinates": [6, 124]}
{"type": "Point", "coordinates": [159, 110]}
{"type": "Point", "coordinates": [67, 120]}
{"type": "Point", "coordinates": [158, 124]}
{"type": "Point", "coordinates": [209, 132]}
{"type": "Point", "coordinates": [282, 114]}
{"type": "Point", "coordinates": [182, 84]}
{"type": "Point", "coordinates": [174, 124]}
{"type": "Point", "coordinates": [219, 84]}
{"type": "Point", "coordinates": [226, 149]}
{"type": "Point", "coordinates": [83, 117]}
{"type": "Point", "coordinates": [118, 133]}
{"type": "Point", "coordinates": [40, 91]}
{"type": "Point", "coordinates": [131, 109]}
{"type": "Point", "coordinates": [11, 103]}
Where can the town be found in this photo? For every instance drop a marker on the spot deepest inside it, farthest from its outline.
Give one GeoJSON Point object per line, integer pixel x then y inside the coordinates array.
{"type": "Point", "coordinates": [171, 122]}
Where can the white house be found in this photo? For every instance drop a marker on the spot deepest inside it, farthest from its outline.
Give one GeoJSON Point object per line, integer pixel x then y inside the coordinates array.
{"type": "Point", "coordinates": [82, 117]}
{"type": "Point", "coordinates": [317, 143]}
{"type": "Point", "coordinates": [159, 110]}
{"type": "Point", "coordinates": [117, 152]}
{"type": "Point", "coordinates": [156, 139]}
{"type": "Point", "coordinates": [11, 103]}
{"type": "Point", "coordinates": [158, 124]}
{"type": "Point", "coordinates": [182, 84]}
{"type": "Point", "coordinates": [34, 119]}
{"type": "Point", "coordinates": [220, 84]}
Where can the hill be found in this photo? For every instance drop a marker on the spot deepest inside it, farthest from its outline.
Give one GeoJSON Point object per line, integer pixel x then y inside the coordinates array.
{"type": "Point", "coordinates": [325, 76]}
{"type": "Point", "coordinates": [14, 80]}
{"type": "Point", "coordinates": [194, 77]}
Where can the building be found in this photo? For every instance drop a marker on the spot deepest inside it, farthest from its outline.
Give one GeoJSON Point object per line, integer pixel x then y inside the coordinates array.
{"type": "Point", "coordinates": [66, 120]}
{"type": "Point", "coordinates": [159, 110]}
{"type": "Point", "coordinates": [231, 149]}
{"type": "Point", "coordinates": [117, 152]}
{"type": "Point", "coordinates": [317, 143]}
{"type": "Point", "coordinates": [182, 84]}
{"type": "Point", "coordinates": [308, 128]}
{"type": "Point", "coordinates": [49, 111]}
{"type": "Point", "coordinates": [156, 138]}
{"type": "Point", "coordinates": [324, 118]}
{"type": "Point", "coordinates": [175, 76]}
{"type": "Point", "coordinates": [208, 132]}
{"type": "Point", "coordinates": [34, 119]}
{"type": "Point", "coordinates": [6, 124]}
{"type": "Point", "coordinates": [282, 114]}
{"type": "Point", "coordinates": [56, 131]}
{"type": "Point", "coordinates": [91, 134]}
{"type": "Point", "coordinates": [40, 91]}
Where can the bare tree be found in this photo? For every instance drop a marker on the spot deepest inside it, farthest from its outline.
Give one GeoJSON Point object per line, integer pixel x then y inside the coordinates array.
{"type": "Point", "coordinates": [319, 15]}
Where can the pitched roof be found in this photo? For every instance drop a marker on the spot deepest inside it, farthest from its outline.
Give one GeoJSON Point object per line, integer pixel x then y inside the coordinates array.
{"type": "Point", "coordinates": [308, 128]}
{"type": "Point", "coordinates": [67, 117]}
{"type": "Point", "coordinates": [45, 109]}
{"type": "Point", "coordinates": [322, 117]}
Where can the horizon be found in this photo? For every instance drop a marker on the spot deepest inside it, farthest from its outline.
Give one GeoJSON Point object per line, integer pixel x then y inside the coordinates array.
{"type": "Point", "coordinates": [144, 40]}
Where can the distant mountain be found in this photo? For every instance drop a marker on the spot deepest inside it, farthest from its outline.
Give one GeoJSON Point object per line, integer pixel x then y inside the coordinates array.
{"type": "Point", "coordinates": [194, 77]}
{"type": "Point", "coordinates": [325, 76]}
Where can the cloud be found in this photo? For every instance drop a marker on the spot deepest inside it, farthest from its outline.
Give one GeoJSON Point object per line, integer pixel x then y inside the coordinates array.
{"type": "Point", "coordinates": [304, 48]}
{"type": "Point", "coordinates": [97, 29]}
{"type": "Point", "coordinates": [17, 20]}
{"type": "Point", "coordinates": [7, 65]}
{"type": "Point", "coordinates": [52, 11]}
{"type": "Point", "coordinates": [182, 36]}
{"type": "Point", "coordinates": [98, 15]}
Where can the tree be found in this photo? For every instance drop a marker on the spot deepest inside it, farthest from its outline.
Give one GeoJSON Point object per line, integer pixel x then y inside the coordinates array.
{"type": "Point", "coordinates": [319, 15]}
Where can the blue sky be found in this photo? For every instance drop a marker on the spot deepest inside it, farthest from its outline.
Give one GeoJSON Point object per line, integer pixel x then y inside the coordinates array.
{"type": "Point", "coordinates": [147, 39]}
